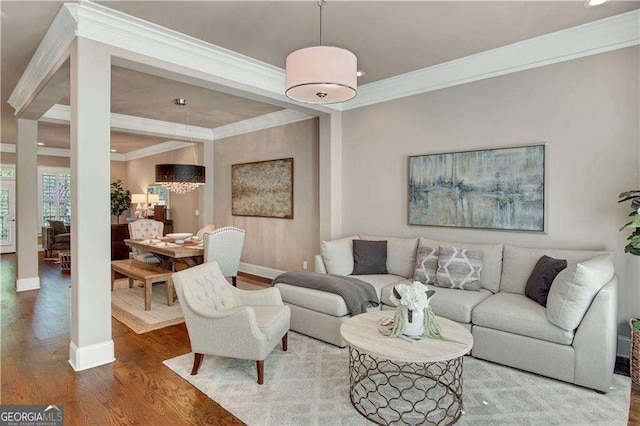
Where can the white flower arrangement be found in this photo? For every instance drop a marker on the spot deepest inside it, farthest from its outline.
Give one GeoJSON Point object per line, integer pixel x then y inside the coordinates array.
{"type": "Point", "coordinates": [414, 296]}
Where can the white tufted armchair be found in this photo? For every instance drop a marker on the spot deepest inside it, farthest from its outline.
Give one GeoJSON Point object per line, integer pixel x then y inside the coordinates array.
{"type": "Point", "coordinates": [145, 228]}
{"type": "Point", "coordinates": [224, 245]}
{"type": "Point", "coordinates": [225, 321]}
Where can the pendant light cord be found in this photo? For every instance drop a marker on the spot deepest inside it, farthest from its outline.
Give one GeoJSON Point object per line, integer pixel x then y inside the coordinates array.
{"type": "Point", "coordinates": [320, 4]}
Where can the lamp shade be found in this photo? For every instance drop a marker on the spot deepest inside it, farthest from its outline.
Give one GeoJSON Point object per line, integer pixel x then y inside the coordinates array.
{"type": "Point", "coordinates": [322, 75]}
{"type": "Point", "coordinates": [180, 178]}
{"type": "Point", "coordinates": [153, 198]}
{"type": "Point", "coordinates": [138, 199]}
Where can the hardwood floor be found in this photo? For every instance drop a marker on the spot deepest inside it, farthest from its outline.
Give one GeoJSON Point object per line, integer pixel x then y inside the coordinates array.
{"type": "Point", "coordinates": [136, 389]}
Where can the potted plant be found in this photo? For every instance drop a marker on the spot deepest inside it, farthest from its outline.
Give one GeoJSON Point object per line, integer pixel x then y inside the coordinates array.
{"type": "Point", "coordinates": [120, 199]}
{"type": "Point", "coordinates": [634, 239]}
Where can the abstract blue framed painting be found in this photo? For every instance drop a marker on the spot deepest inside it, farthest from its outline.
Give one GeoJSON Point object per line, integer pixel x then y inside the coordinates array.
{"type": "Point", "coordinates": [502, 188]}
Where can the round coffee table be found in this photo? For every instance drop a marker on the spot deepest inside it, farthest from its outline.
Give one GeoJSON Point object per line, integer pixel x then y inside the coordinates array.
{"type": "Point", "coordinates": [393, 380]}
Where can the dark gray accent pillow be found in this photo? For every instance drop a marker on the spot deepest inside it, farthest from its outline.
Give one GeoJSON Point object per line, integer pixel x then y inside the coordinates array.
{"type": "Point", "coordinates": [541, 278]}
{"type": "Point", "coordinates": [369, 257]}
{"type": "Point", "coordinates": [58, 227]}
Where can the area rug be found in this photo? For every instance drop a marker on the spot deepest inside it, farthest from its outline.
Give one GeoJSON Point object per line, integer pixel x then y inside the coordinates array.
{"type": "Point", "coordinates": [309, 384]}
{"type": "Point", "coordinates": [127, 306]}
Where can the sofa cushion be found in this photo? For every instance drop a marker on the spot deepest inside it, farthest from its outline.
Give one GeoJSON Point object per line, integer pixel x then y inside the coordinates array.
{"type": "Point", "coordinates": [426, 264]}
{"type": "Point", "coordinates": [369, 257]}
{"type": "Point", "coordinates": [519, 262]}
{"type": "Point", "coordinates": [58, 227]}
{"type": "Point", "coordinates": [459, 268]}
{"type": "Point", "coordinates": [62, 238]}
{"type": "Point", "coordinates": [543, 274]}
{"type": "Point", "coordinates": [574, 288]}
{"type": "Point", "coordinates": [491, 259]}
{"type": "Point", "coordinates": [450, 303]}
{"type": "Point", "coordinates": [315, 300]}
{"type": "Point", "coordinates": [401, 254]}
{"type": "Point", "coordinates": [381, 281]}
{"type": "Point", "coordinates": [338, 255]}
{"type": "Point", "coordinates": [516, 313]}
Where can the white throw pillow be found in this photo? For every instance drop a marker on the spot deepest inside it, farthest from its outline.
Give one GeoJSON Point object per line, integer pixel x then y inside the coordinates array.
{"type": "Point", "coordinates": [401, 254]}
{"type": "Point", "coordinates": [338, 255]}
{"type": "Point", "coordinates": [574, 288]}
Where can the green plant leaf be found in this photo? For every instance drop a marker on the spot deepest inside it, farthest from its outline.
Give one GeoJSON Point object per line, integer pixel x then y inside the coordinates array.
{"type": "Point", "coordinates": [634, 224]}
{"type": "Point", "coordinates": [430, 293]}
{"type": "Point", "coordinates": [396, 294]}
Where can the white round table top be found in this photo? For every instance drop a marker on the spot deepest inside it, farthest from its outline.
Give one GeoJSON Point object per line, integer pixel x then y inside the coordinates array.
{"type": "Point", "coordinates": [362, 333]}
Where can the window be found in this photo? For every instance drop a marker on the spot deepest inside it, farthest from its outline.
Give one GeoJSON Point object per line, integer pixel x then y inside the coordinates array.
{"type": "Point", "coordinates": [162, 191]}
{"type": "Point", "coordinates": [55, 194]}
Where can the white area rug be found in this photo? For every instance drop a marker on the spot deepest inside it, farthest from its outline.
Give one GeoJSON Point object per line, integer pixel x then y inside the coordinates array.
{"type": "Point", "coordinates": [309, 385]}
{"type": "Point", "coordinates": [127, 306]}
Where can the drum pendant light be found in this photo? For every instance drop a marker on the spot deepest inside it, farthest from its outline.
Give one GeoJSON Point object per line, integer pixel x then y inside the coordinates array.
{"type": "Point", "coordinates": [181, 178]}
{"type": "Point", "coordinates": [321, 74]}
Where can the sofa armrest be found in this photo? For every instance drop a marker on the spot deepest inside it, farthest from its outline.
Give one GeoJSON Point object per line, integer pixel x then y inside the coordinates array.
{"type": "Point", "coordinates": [320, 267]}
{"type": "Point", "coordinates": [595, 340]}
{"type": "Point", "coordinates": [47, 237]}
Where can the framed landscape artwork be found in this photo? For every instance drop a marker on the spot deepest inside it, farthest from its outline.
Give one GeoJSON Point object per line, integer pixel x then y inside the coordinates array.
{"type": "Point", "coordinates": [501, 188]}
{"type": "Point", "coordinates": [263, 188]}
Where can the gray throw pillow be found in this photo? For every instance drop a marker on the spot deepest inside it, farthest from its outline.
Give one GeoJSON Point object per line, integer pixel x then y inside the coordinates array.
{"type": "Point", "coordinates": [459, 268]}
{"type": "Point", "coordinates": [542, 277]}
{"type": "Point", "coordinates": [58, 227]}
{"type": "Point", "coordinates": [369, 257]}
{"type": "Point", "coordinates": [426, 265]}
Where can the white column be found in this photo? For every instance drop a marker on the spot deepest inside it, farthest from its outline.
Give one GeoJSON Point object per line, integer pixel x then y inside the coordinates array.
{"type": "Point", "coordinates": [208, 214]}
{"type": "Point", "coordinates": [91, 343]}
{"type": "Point", "coordinates": [27, 206]}
{"type": "Point", "coordinates": [330, 176]}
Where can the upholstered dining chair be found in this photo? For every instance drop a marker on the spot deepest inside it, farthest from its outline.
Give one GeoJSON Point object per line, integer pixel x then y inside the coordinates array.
{"type": "Point", "coordinates": [226, 321]}
{"type": "Point", "coordinates": [145, 228]}
{"type": "Point", "coordinates": [224, 245]}
{"type": "Point", "coordinates": [205, 229]}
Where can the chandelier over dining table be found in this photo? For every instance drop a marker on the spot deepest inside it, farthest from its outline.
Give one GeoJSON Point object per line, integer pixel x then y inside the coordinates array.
{"type": "Point", "coordinates": [181, 178]}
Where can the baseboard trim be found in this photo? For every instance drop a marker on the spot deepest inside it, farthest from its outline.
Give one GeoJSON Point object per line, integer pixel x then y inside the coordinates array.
{"type": "Point", "coordinates": [28, 284]}
{"type": "Point", "coordinates": [624, 346]}
{"type": "Point", "coordinates": [260, 271]}
{"type": "Point", "coordinates": [91, 356]}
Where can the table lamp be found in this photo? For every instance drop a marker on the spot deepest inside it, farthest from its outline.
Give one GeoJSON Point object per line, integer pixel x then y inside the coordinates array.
{"type": "Point", "coordinates": [139, 200]}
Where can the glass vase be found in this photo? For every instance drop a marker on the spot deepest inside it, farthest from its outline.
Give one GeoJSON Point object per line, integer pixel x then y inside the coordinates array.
{"type": "Point", "coordinates": [413, 322]}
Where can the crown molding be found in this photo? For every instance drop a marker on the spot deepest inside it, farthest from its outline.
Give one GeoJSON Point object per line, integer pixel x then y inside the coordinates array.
{"type": "Point", "coordinates": [266, 121]}
{"type": "Point", "coordinates": [155, 149]}
{"type": "Point", "coordinates": [61, 114]}
{"type": "Point", "coordinates": [51, 50]}
{"type": "Point", "coordinates": [53, 152]}
{"type": "Point", "coordinates": [601, 36]}
{"type": "Point", "coordinates": [9, 148]}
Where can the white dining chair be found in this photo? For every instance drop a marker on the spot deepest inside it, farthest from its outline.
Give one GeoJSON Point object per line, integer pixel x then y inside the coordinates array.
{"type": "Point", "coordinates": [205, 230]}
{"type": "Point", "coordinates": [142, 229]}
{"type": "Point", "coordinates": [224, 245]}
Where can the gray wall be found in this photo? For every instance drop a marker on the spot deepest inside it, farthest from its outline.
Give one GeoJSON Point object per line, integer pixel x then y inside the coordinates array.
{"type": "Point", "coordinates": [274, 243]}
{"type": "Point", "coordinates": [586, 110]}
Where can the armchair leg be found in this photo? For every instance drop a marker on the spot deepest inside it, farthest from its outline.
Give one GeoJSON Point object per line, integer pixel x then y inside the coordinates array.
{"type": "Point", "coordinates": [234, 281]}
{"type": "Point", "coordinates": [285, 341]}
{"type": "Point", "coordinates": [260, 367]}
{"type": "Point", "coordinates": [197, 360]}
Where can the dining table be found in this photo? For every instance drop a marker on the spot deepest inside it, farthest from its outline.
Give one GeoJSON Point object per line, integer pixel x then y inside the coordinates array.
{"type": "Point", "coordinates": [169, 253]}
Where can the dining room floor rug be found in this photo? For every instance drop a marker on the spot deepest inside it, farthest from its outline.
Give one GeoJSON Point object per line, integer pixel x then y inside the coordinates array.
{"type": "Point", "coordinates": [127, 306]}
{"type": "Point", "coordinates": [309, 385]}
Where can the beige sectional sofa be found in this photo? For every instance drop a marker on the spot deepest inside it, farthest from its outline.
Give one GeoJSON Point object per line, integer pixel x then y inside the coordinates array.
{"type": "Point", "coordinates": [508, 327]}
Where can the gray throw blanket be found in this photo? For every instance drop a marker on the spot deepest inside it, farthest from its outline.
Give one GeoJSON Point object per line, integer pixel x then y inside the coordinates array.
{"type": "Point", "coordinates": [357, 294]}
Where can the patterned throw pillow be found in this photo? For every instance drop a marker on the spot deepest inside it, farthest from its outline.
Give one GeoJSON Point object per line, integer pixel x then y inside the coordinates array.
{"type": "Point", "coordinates": [459, 268]}
{"type": "Point", "coordinates": [426, 265]}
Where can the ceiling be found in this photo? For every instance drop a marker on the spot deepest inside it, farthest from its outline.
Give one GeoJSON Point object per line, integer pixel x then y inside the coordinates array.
{"type": "Point", "coordinates": [58, 136]}
{"type": "Point", "coordinates": [388, 37]}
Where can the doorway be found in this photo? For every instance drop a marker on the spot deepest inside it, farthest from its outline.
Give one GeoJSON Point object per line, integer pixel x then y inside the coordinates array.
{"type": "Point", "coordinates": [7, 216]}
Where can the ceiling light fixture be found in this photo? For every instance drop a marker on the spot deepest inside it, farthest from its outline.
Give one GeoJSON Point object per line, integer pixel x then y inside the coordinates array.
{"type": "Point", "coordinates": [594, 3]}
{"type": "Point", "coordinates": [181, 178]}
{"type": "Point", "coordinates": [40, 143]}
{"type": "Point", "coordinates": [321, 74]}
{"type": "Point", "coordinates": [114, 150]}
{"type": "Point", "coordinates": [360, 73]}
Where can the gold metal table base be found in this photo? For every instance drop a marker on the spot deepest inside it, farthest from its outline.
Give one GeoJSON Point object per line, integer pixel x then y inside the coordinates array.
{"type": "Point", "coordinates": [386, 391]}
